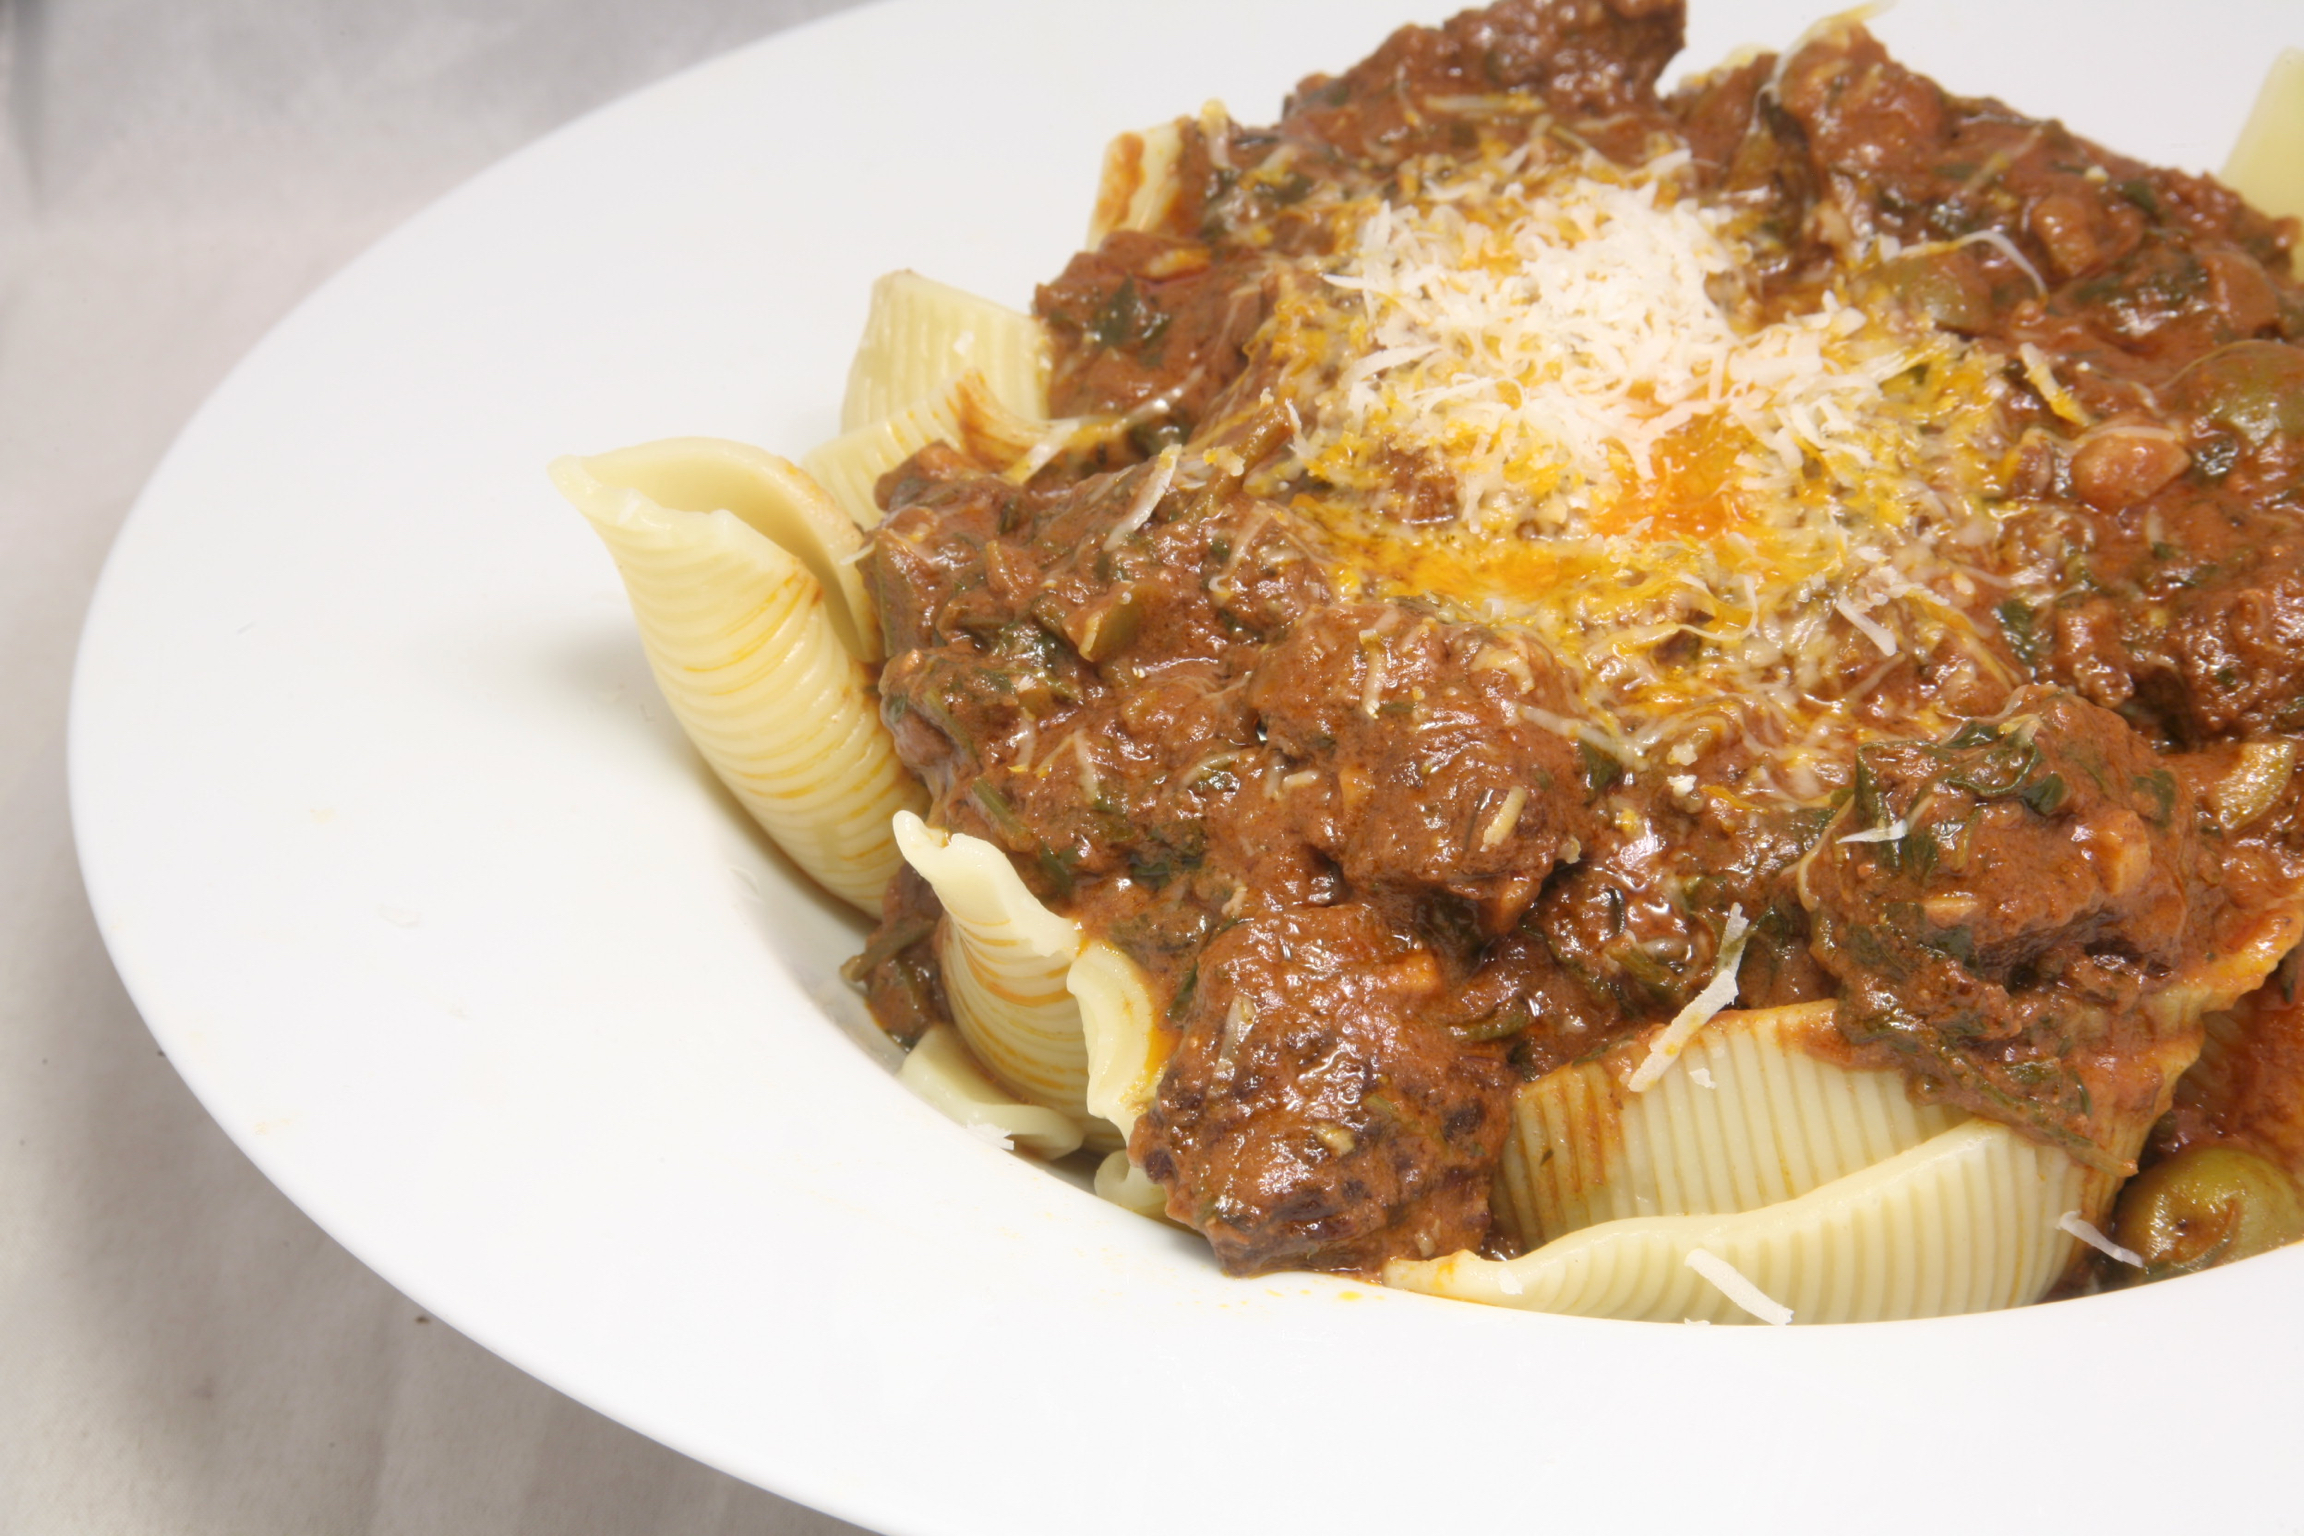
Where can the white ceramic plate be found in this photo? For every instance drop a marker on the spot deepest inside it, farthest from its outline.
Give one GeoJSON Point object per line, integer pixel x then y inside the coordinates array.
{"type": "Point", "coordinates": [435, 911]}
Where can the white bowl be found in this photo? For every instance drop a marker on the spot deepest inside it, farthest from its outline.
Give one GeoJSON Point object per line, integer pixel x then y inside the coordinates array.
{"type": "Point", "coordinates": [425, 896]}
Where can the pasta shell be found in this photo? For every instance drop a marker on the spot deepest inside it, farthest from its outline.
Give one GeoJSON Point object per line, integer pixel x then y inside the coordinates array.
{"type": "Point", "coordinates": [2219, 980]}
{"type": "Point", "coordinates": [1006, 961]}
{"type": "Point", "coordinates": [920, 333]}
{"type": "Point", "coordinates": [1967, 1221]}
{"type": "Point", "coordinates": [2267, 164]}
{"type": "Point", "coordinates": [1128, 1186]}
{"type": "Point", "coordinates": [1119, 1023]}
{"type": "Point", "coordinates": [963, 412]}
{"type": "Point", "coordinates": [1127, 1050]}
{"type": "Point", "coordinates": [940, 1070]}
{"type": "Point", "coordinates": [1747, 1117]}
{"type": "Point", "coordinates": [1139, 182]}
{"type": "Point", "coordinates": [767, 494]}
{"type": "Point", "coordinates": [753, 624]}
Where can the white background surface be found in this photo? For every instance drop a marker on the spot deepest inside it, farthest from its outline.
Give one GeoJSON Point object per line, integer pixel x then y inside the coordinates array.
{"type": "Point", "coordinates": [180, 1350]}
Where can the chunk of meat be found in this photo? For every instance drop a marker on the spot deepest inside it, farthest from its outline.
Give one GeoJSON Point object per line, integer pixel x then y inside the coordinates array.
{"type": "Point", "coordinates": [1150, 326]}
{"type": "Point", "coordinates": [898, 969]}
{"type": "Point", "coordinates": [1312, 1117]}
{"type": "Point", "coordinates": [1422, 768]}
{"type": "Point", "coordinates": [2237, 642]}
{"type": "Point", "coordinates": [1994, 907]}
{"type": "Point", "coordinates": [1585, 59]}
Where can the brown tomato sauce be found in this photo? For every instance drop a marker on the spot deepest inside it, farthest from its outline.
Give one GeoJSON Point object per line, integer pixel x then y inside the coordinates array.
{"type": "Point", "coordinates": [1285, 796]}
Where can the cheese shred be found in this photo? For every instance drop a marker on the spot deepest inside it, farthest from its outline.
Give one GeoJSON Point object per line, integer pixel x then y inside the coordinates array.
{"type": "Point", "coordinates": [1716, 513]}
{"type": "Point", "coordinates": [1718, 993]}
{"type": "Point", "coordinates": [1730, 1282]}
{"type": "Point", "coordinates": [2085, 1230]}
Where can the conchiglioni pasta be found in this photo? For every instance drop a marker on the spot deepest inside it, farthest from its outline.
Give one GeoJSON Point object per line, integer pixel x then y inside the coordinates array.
{"type": "Point", "coordinates": [1754, 1113]}
{"type": "Point", "coordinates": [1521, 686]}
{"type": "Point", "coordinates": [1822, 1185]}
{"type": "Point", "coordinates": [1121, 1033]}
{"type": "Point", "coordinates": [1066, 1023]}
{"type": "Point", "coordinates": [1966, 1221]}
{"type": "Point", "coordinates": [964, 411]}
{"type": "Point", "coordinates": [941, 1070]}
{"type": "Point", "coordinates": [2265, 166]}
{"type": "Point", "coordinates": [1140, 182]}
{"type": "Point", "coordinates": [1006, 960]}
{"type": "Point", "coordinates": [921, 334]}
{"type": "Point", "coordinates": [742, 584]}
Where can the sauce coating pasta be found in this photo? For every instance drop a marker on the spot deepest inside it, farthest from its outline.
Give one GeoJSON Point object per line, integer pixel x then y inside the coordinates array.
{"type": "Point", "coordinates": [1513, 564]}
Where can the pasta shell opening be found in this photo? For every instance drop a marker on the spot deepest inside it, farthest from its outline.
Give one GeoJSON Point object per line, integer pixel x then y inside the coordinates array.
{"type": "Point", "coordinates": [1006, 961]}
{"type": "Point", "coordinates": [1751, 1114]}
{"type": "Point", "coordinates": [749, 647]}
{"type": "Point", "coordinates": [963, 412]}
{"type": "Point", "coordinates": [920, 333]}
{"type": "Point", "coordinates": [771, 496]}
{"type": "Point", "coordinates": [1966, 1221]}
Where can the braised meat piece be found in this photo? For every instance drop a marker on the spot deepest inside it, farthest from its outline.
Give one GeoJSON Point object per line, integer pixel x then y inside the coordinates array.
{"type": "Point", "coordinates": [1151, 328]}
{"type": "Point", "coordinates": [1994, 906]}
{"type": "Point", "coordinates": [1289, 676]}
{"type": "Point", "coordinates": [1424, 771]}
{"type": "Point", "coordinates": [1313, 1117]}
{"type": "Point", "coordinates": [1585, 60]}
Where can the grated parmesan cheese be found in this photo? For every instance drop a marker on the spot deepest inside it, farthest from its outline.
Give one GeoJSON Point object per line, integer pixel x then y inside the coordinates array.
{"type": "Point", "coordinates": [2042, 375]}
{"type": "Point", "coordinates": [1718, 993]}
{"type": "Point", "coordinates": [2085, 1230]}
{"type": "Point", "coordinates": [1146, 500]}
{"type": "Point", "coordinates": [988, 1133]}
{"type": "Point", "coordinates": [1506, 818]}
{"type": "Point", "coordinates": [1731, 1283]}
{"type": "Point", "coordinates": [1641, 457]}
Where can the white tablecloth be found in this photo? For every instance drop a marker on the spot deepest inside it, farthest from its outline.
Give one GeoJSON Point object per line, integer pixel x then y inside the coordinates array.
{"type": "Point", "coordinates": [181, 1351]}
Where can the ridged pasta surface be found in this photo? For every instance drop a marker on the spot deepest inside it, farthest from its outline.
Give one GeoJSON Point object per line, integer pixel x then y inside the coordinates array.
{"type": "Point", "coordinates": [1966, 1221]}
{"type": "Point", "coordinates": [940, 1070]}
{"type": "Point", "coordinates": [1006, 961]}
{"type": "Point", "coordinates": [961, 411]}
{"type": "Point", "coordinates": [745, 647]}
{"type": "Point", "coordinates": [1747, 1117]}
{"type": "Point", "coordinates": [921, 333]}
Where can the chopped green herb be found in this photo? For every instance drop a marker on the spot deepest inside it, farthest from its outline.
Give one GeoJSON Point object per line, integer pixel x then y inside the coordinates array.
{"type": "Point", "coordinates": [1000, 812]}
{"type": "Point", "coordinates": [1999, 772]}
{"type": "Point", "coordinates": [1503, 1024]}
{"type": "Point", "coordinates": [1183, 993]}
{"type": "Point", "coordinates": [886, 944]}
{"type": "Point", "coordinates": [1127, 321]}
{"type": "Point", "coordinates": [2022, 627]}
{"type": "Point", "coordinates": [1869, 811]}
{"type": "Point", "coordinates": [2142, 193]}
{"type": "Point", "coordinates": [1601, 770]}
{"type": "Point", "coordinates": [2045, 793]}
{"type": "Point", "coordinates": [2160, 784]}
